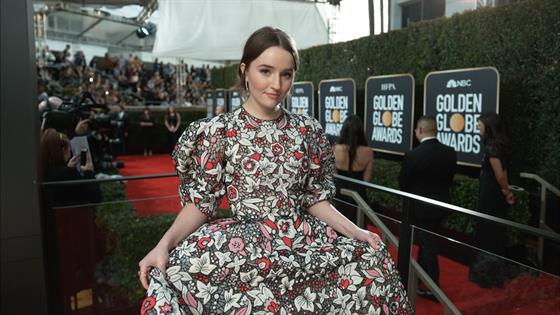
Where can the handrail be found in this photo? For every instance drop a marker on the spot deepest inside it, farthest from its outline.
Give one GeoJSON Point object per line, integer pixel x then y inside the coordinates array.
{"type": "Point", "coordinates": [105, 180]}
{"type": "Point", "coordinates": [529, 229]}
{"type": "Point", "coordinates": [417, 270]}
{"type": "Point", "coordinates": [541, 181]}
{"type": "Point", "coordinates": [542, 213]}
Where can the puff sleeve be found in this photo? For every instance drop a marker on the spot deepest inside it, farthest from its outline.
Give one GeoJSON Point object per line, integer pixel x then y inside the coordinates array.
{"type": "Point", "coordinates": [319, 185]}
{"type": "Point", "coordinates": [199, 164]}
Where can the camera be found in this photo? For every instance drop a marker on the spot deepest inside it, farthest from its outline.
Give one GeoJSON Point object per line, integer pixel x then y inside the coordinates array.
{"type": "Point", "coordinates": [102, 127]}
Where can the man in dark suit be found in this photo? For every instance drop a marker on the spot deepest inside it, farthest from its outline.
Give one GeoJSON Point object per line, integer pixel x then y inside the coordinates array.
{"type": "Point", "coordinates": [428, 171]}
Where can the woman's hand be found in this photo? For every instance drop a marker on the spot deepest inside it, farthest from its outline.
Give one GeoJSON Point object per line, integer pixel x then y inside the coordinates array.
{"type": "Point", "coordinates": [510, 199]}
{"type": "Point", "coordinates": [367, 236]}
{"type": "Point", "coordinates": [73, 161]}
{"type": "Point", "coordinates": [89, 163]}
{"type": "Point", "coordinates": [158, 258]}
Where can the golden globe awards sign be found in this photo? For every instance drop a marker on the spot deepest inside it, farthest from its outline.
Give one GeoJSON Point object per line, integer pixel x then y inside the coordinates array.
{"type": "Point", "coordinates": [456, 98]}
{"type": "Point", "coordinates": [234, 99]}
{"type": "Point", "coordinates": [389, 107]}
{"type": "Point", "coordinates": [301, 99]}
{"type": "Point", "coordinates": [220, 98]}
{"type": "Point", "coordinates": [337, 100]}
{"type": "Point", "coordinates": [210, 105]}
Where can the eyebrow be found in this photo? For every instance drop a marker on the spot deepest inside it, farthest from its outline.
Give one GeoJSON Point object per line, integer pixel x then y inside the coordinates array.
{"type": "Point", "coordinates": [271, 67]}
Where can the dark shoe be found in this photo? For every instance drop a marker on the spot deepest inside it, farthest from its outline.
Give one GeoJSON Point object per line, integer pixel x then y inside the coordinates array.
{"type": "Point", "coordinates": [427, 294]}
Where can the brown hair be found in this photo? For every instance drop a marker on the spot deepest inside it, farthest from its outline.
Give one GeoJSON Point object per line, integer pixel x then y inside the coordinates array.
{"type": "Point", "coordinates": [261, 40]}
{"type": "Point", "coordinates": [53, 146]}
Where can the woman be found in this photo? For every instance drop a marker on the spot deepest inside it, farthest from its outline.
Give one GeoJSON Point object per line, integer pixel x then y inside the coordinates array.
{"type": "Point", "coordinates": [147, 131]}
{"type": "Point", "coordinates": [281, 252]}
{"type": "Point", "coordinates": [494, 199]}
{"type": "Point", "coordinates": [58, 164]}
{"type": "Point", "coordinates": [172, 123]}
{"type": "Point", "coordinates": [353, 159]}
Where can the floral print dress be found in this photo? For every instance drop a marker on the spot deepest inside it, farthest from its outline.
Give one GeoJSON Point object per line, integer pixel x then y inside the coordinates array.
{"type": "Point", "coordinates": [271, 256]}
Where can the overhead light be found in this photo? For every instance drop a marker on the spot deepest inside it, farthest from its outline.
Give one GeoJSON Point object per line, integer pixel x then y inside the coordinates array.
{"type": "Point", "coordinates": [145, 30]}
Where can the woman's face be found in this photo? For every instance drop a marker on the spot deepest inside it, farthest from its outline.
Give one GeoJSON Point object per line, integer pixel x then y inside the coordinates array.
{"type": "Point", "coordinates": [481, 128]}
{"type": "Point", "coordinates": [270, 77]}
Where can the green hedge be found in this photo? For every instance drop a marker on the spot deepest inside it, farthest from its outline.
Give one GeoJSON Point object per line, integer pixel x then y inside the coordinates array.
{"type": "Point", "coordinates": [520, 39]}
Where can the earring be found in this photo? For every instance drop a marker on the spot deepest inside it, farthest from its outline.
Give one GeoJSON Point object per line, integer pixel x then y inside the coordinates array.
{"type": "Point", "coordinates": [247, 85]}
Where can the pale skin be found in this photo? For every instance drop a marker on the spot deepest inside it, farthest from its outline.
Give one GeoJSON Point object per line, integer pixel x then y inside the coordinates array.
{"type": "Point", "coordinates": [499, 173]}
{"type": "Point", "coordinates": [270, 77]}
{"type": "Point", "coordinates": [171, 128]}
{"type": "Point", "coordinates": [362, 161]}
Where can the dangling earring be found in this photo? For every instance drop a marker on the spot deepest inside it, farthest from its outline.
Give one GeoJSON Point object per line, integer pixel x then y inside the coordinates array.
{"type": "Point", "coordinates": [246, 85]}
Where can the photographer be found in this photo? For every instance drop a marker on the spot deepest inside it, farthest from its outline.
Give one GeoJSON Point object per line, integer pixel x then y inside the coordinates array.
{"type": "Point", "coordinates": [58, 164]}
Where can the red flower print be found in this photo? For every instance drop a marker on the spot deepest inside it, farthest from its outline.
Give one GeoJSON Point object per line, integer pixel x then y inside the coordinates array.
{"type": "Point", "coordinates": [255, 156]}
{"type": "Point", "coordinates": [273, 307]}
{"type": "Point", "coordinates": [249, 165]}
{"type": "Point", "coordinates": [277, 149]}
{"type": "Point", "coordinates": [344, 283]}
{"type": "Point", "coordinates": [147, 304]}
{"type": "Point", "coordinates": [203, 241]}
{"type": "Point", "coordinates": [302, 130]}
{"type": "Point", "coordinates": [232, 193]}
{"type": "Point", "coordinates": [165, 308]}
{"type": "Point", "coordinates": [263, 263]}
{"type": "Point", "coordinates": [231, 133]}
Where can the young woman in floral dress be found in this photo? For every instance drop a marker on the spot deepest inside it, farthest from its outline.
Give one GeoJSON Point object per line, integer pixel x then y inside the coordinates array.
{"type": "Point", "coordinates": [286, 249]}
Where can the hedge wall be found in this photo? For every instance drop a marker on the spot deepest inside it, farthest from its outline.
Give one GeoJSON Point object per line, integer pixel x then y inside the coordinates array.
{"type": "Point", "coordinates": [522, 40]}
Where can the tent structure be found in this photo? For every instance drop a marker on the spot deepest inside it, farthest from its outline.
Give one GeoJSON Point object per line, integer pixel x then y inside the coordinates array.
{"type": "Point", "coordinates": [216, 30]}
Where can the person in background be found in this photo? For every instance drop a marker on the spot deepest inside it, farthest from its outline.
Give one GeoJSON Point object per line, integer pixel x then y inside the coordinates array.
{"type": "Point", "coordinates": [57, 164]}
{"type": "Point", "coordinates": [494, 198]}
{"type": "Point", "coordinates": [172, 123]}
{"type": "Point", "coordinates": [428, 171]}
{"type": "Point", "coordinates": [353, 159]}
{"type": "Point", "coordinates": [286, 249]}
{"type": "Point", "coordinates": [121, 130]}
{"type": "Point", "coordinates": [147, 131]}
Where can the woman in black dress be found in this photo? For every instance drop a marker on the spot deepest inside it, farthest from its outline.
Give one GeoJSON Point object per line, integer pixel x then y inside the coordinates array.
{"type": "Point", "coordinates": [353, 159]}
{"type": "Point", "coordinates": [172, 123]}
{"type": "Point", "coordinates": [147, 131]}
{"type": "Point", "coordinates": [494, 199]}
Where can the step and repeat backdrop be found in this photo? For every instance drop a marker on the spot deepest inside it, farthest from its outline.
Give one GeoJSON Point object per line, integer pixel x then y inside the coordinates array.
{"type": "Point", "coordinates": [456, 98]}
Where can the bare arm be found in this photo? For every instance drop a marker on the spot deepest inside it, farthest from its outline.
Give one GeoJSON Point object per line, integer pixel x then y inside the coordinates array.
{"type": "Point", "coordinates": [501, 178]}
{"type": "Point", "coordinates": [369, 166]}
{"type": "Point", "coordinates": [166, 122]}
{"type": "Point", "coordinates": [178, 122]}
{"type": "Point", "coordinates": [188, 220]}
{"type": "Point", "coordinates": [327, 213]}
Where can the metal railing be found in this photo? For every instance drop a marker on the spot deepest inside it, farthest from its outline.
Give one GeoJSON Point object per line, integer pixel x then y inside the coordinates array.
{"type": "Point", "coordinates": [410, 270]}
{"type": "Point", "coordinates": [545, 187]}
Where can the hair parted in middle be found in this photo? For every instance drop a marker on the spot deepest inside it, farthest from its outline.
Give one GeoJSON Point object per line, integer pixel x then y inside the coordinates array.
{"type": "Point", "coordinates": [261, 40]}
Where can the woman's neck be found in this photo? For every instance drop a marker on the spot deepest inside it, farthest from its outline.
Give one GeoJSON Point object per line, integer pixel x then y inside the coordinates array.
{"type": "Point", "coordinates": [262, 113]}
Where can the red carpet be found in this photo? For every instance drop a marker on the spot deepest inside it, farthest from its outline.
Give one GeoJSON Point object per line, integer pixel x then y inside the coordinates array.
{"type": "Point", "coordinates": [151, 196]}
{"type": "Point", "coordinates": [523, 295]}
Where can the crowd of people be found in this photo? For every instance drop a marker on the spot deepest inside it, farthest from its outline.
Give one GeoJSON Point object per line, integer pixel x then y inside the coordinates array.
{"type": "Point", "coordinates": [119, 79]}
